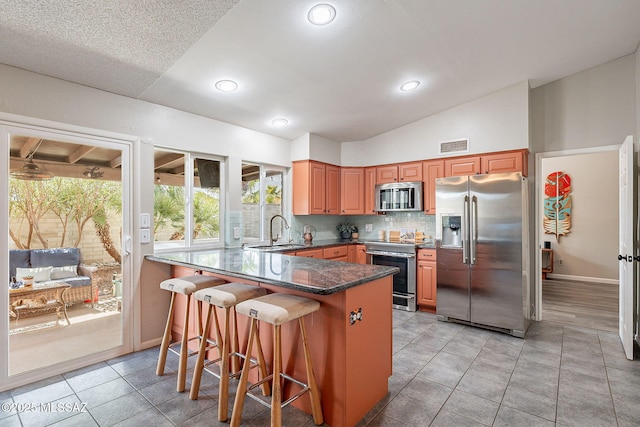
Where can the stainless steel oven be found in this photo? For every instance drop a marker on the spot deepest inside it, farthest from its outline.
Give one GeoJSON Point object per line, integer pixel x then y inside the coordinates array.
{"type": "Point", "coordinates": [403, 256]}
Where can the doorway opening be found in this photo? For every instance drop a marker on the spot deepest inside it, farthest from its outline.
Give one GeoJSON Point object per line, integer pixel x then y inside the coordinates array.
{"type": "Point", "coordinates": [579, 270]}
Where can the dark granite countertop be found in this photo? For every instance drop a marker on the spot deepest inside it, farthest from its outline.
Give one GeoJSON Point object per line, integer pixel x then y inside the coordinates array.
{"type": "Point", "coordinates": [316, 276]}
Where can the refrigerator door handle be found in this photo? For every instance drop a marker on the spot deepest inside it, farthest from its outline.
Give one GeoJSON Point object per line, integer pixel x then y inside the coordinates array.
{"type": "Point", "coordinates": [473, 232]}
{"type": "Point", "coordinates": [465, 231]}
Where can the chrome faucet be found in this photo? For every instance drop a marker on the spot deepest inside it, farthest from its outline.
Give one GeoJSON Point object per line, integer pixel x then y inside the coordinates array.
{"type": "Point", "coordinates": [286, 226]}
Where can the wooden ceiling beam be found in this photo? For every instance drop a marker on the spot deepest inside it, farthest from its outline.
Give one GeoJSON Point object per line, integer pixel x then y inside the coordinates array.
{"type": "Point", "coordinates": [80, 153]}
{"type": "Point", "coordinates": [115, 162]}
{"type": "Point", "coordinates": [65, 170]}
{"type": "Point", "coordinates": [166, 160]}
{"type": "Point", "coordinates": [28, 147]}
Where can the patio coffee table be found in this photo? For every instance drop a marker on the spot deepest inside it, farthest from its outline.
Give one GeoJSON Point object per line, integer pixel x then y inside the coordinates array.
{"type": "Point", "coordinates": [39, 299]}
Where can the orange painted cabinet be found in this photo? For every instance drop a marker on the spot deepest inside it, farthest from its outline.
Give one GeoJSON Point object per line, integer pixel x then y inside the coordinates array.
{"type": "Point", "coordinates": [511, 161]}
{"type": "Point", "coordinates": [337, 253]}
{"type": "Point", "coordinates": [431, 170]}
{"type": "Point", "coordinates": [333, 190]}
{"type": "Point", "coordinates": [426, 278]}
{"type": "Point", "coordinates": [351, 256]}
{"type": "Point", "coordinates": [311, 253]}
{"type": "Point", "coordinates": [316, 188]}
{"type": "Point", "coordinates": [410, 172]}
{"type": "Point", "coordinates": [460, 166]}
{"type": "Point", "coordinates": [369, 190]}
{"type": "Point", "coordinates": [361, 254]}
{"type": "Point", "coordinates": [387, 174]}
{"type": "Point", "coordinates": [352, 191]}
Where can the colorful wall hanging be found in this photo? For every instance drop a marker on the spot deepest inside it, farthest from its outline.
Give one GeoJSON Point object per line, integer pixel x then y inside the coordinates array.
{"type": "Point", "coordinates": [557, 204]}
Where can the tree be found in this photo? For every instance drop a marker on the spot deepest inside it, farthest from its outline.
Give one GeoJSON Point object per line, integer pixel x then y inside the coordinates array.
{"type": "Point", "coordinates": [72, 201]}
{"type": "Point", "coordinates": [206, 214]}
{"type": "Point", "coordinates": [168, 209]}
{"type": "Point", "coordinates": [29, 200]}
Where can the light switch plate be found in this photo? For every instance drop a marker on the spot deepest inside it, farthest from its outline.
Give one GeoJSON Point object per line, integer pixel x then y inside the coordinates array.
{"type": "Point", "coordinates": [145, 220]}
{"type": "Point", "coordinates": [145, 236]}
{"type": "Point", "coordinates": [236, 232]}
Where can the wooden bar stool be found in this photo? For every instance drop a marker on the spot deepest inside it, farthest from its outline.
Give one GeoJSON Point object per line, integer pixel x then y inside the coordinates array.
{"type": "Point", "coordinates": [278, 309]}
{"type": "Point", "coordinates": [185, 286]}
{"type": "Point", "coordinates": [225, 296]}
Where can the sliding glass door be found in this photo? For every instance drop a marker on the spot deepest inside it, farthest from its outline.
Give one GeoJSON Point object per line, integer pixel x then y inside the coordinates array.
{"type": "Point", "coordinates": [68, 265]}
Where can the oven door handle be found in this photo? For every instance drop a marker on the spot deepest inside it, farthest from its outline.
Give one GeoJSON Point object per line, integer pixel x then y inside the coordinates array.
{"type": "Point", "coordinates": [391, 254]}
{"type": "Point", "coordinates": [407, 297]}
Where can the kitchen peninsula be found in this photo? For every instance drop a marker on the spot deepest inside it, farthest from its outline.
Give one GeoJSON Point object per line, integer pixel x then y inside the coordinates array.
{"type": "Point", "coordinates": [350, 336]}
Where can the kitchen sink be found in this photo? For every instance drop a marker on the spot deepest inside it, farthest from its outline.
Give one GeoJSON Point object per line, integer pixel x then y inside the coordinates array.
{"type": "Point", "coordinates": [275, 247]}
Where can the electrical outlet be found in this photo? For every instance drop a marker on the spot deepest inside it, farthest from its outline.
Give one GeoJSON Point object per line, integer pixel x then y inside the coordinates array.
{"type": "Point", "coordinates": [368, 227]}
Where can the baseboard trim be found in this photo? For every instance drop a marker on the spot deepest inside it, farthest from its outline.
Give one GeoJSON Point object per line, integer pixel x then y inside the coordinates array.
{"type": "Point", "coordinates": [583, 278]}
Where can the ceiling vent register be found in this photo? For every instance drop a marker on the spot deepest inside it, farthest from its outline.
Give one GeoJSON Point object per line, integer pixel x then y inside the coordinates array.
{"type": "Point", "coordinates": [457, 146]}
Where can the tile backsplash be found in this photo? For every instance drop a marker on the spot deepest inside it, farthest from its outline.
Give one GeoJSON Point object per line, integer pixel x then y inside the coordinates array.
{"type": "Point", "coordinates": [326, 224]}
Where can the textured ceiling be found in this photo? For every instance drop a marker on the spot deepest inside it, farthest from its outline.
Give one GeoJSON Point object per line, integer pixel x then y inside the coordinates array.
{"type": "Point", "coordinates": [121, 46]}
{"type": "Point", "coordinates": [339, 81]}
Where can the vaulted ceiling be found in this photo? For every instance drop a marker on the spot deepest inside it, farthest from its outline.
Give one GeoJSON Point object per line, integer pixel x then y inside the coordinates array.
{"type": "Point", "coordinates": [340, 81]}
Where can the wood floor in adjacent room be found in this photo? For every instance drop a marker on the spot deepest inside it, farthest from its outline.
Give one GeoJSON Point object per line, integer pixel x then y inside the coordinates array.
{"type": "Point", "coordinates": [587, 304]}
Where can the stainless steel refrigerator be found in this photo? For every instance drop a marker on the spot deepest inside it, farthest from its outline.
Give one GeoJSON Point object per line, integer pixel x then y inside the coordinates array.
{"type": "Point", "coordinates": [482, 250]}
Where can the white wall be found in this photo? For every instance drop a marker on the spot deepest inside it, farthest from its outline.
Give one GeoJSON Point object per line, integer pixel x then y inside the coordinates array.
{"type": "Point", "coordinates": [35, 95]}
{"type": "Point", "coordinates": [496, 122]}
{"type": "Point", "coordinates": [590, 249]}
{"type": "Point", "coordinates": [315, 147]}
{"type": "Point", "coordinates": [592, 108]}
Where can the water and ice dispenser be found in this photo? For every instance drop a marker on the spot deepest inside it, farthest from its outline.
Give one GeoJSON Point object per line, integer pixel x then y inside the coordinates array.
{"type": "Point", "coordinates": [451, 230]}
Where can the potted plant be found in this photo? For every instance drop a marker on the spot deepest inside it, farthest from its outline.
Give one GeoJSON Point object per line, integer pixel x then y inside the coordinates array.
{"type": "Point", "coordinates": [345, 229]}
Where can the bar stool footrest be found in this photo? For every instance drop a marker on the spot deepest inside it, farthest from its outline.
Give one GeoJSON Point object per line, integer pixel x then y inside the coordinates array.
{"type": "Point", "coordinates": [174, 344]}
{"type": "Point", "coordinates": [305, 388]}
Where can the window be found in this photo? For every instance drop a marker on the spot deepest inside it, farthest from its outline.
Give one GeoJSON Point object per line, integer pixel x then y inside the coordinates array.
{"type": "Point", "coordinates": [187, 199]}
{"type": "Point", "coordinates": [261, 199]}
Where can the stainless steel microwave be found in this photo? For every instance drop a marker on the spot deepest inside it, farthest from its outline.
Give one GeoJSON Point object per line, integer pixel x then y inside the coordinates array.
{"type": "Point", "coordinates": [399, 196]}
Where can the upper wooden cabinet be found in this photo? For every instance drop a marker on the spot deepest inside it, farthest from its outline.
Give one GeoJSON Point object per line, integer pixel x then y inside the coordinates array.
{"type": "Point", "coordinates": [507, 161]}
{"type": "Point", "coordinates": [352, 187]}
{"type": "Point", "coordinates": [332, 190]}
{"type": "Point", "coordinates": [316, 188]}
{"type": "Point", "coordinates": [431, 170]}
{"type": "Point", "coordinates": [386, 174]}
{"type": "Point", "coordinates": [369, 190]}
{"type": "Point", "coordinates": [510, 161]}
{"type": "Point", "coordinates": [408, 172]}
{"type": "Point", "coordinates": [460, 166]}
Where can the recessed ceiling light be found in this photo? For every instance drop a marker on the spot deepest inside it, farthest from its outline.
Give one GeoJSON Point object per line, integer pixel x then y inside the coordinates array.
{"type": "Point", "coordinates": [413, 84]}
{"type": "Point", "coordinates": [279, 122]}
{"type": "Point", "coordinates": [321, 14]}
{"type": "Point", "coordinates": [226, 85]}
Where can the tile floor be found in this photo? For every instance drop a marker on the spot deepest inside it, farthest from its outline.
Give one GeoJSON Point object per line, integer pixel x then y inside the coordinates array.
{"type": "Point", "coordinates": [445, 374]}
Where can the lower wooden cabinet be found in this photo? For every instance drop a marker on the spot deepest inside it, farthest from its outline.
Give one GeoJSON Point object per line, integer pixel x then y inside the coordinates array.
{"type": "Point", "coordinates": [426, 278]}
{"type": "Point", "coordinates": [311, 253]}
{"type": "Point", "coordinates": [337, 253]}
{"type": "Point", "coordinates": [361, 254]}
